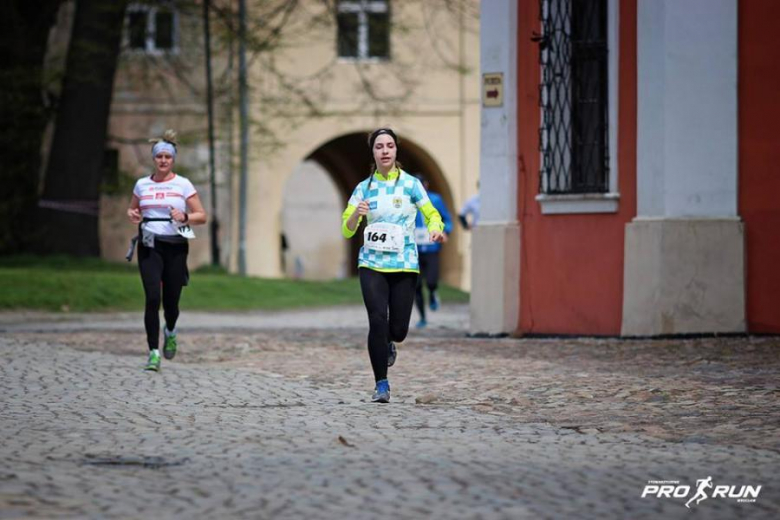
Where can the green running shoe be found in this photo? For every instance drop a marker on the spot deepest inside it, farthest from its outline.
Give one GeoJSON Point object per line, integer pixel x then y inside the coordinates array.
{"type": "Point", "coordinates": [169, 349]}
{"type": "Point", "coordinates": [153, 363]}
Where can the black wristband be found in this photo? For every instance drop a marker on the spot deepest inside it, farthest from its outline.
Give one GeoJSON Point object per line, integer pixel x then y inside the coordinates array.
{"type": "Point", "coordinates": [186, 218]}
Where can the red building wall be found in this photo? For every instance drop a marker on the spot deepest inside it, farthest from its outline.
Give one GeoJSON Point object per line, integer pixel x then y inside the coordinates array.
{"type": "Point", "coordinates": [571, 268]}
{"type": "Point", "coordinates": [759, 158]}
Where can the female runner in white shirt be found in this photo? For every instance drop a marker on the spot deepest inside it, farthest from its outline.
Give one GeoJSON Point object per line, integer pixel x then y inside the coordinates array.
{"type": "Point", "coordinates": [162, 206]}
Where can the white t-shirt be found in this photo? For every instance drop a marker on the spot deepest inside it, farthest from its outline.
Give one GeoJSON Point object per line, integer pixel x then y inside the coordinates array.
{"type": "Point", "coordinates": [158, 198]}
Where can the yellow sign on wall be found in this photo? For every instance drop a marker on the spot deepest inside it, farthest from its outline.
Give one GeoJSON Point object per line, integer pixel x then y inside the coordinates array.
{"type": "Point", "coordinates": [493, 89]}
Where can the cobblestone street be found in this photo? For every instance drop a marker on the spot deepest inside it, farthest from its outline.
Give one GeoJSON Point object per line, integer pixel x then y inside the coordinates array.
{"type": "Point", "coordinates": [267, 415]}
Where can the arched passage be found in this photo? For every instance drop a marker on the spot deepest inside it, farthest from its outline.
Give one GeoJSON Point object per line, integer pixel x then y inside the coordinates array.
{"type": "Point", "coordinates": [311, 241]}
{"type": "Point", "coordinates": [347, 160]}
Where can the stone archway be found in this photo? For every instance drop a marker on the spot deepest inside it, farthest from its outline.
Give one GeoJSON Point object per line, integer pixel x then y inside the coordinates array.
{"type": "Point", "coordinates": [312, 247]}
{"type": "Point", "coordinates": [347, 160]}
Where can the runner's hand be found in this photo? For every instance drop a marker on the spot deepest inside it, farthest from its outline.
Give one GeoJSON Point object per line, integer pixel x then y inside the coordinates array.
{"type": "Point", "coordinates": [437, 237]}
{"type": "Point", "coordinates": [177, 215]}
{"type": "Point", "coordinates": [134, 215]}
{"type": "Point", "coordinates": [362, 208]}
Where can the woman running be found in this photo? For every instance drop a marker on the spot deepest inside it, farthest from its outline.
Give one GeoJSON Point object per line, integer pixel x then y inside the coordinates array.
{"type": "Point", "coordinates": [388, 266]}
{"type": "Point", "coordinates": [164, 205]}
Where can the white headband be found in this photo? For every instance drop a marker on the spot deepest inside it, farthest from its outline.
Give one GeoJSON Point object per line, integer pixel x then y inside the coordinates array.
{"type": "Point", "coordinates": [163, 146]}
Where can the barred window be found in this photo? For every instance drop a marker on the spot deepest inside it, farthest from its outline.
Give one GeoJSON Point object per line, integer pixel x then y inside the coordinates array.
{"type": "Point", "coordinates": [363, 29]}
{"type": "Point", "coordinates": [574, 91]}
{"type": "Point", "coordinates": [150, 28]}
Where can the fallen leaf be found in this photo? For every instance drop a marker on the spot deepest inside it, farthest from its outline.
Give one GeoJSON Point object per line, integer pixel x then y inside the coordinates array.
{"type": "Point", "coordinates": [345, 442]}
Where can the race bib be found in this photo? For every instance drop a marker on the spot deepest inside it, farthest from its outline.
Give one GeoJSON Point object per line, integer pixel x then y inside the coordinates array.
{"type": "Point", "coordinates": [186, 231]}
{"type": "Point", "coordinates": [382, 236]}
{"type": "Point", "coordinates": [422, 237]}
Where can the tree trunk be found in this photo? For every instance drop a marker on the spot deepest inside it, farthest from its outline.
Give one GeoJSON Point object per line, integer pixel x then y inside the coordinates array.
{"type": "Point", "coordinates": [24, 33]}
{"type": "Point", "coordinates": [69, 204]}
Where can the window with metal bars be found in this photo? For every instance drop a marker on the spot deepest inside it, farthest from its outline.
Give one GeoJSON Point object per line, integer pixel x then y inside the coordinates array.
{"type": "Point", "coordinates": [363, 29]}
{"type": "Point", "coordinates": [574, 97]}
{"type": "Point", "coordinates": [151, 28]}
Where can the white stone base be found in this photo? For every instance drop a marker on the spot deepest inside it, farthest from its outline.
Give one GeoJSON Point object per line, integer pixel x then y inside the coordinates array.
{"type": "Point", "coordinates": [495, 278]}
{"type": "Point", "coordinates": [684, 276]}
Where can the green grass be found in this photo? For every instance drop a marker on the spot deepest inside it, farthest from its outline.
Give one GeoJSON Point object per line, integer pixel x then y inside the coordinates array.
{"type": "Point", "coordinates": [72, 284]}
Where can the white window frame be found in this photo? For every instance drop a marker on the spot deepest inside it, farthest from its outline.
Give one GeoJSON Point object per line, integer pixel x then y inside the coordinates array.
{"type": "Point", "coordinates": [569, 203]}
{"type": "Point", "coordinates": [362, 8]}
{"type": "Point", "coordinates": [151, 21]}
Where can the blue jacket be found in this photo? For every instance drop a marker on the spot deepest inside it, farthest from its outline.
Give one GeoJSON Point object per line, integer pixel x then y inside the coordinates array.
{"type": "Point", "coordinates": [438, 203]}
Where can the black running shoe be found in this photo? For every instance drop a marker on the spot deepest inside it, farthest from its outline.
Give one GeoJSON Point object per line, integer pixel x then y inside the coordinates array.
{"type": "Point", "coordinates": [392, 354]}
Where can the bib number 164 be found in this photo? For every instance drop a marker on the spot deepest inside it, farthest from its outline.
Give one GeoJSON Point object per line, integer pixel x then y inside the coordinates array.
{"type": "Point", "coordinates": [382, 236]}
{"type": "Point", "coordinates": [377, 237]}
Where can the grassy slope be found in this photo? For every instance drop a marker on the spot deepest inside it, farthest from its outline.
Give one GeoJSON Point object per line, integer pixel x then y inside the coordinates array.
{"type": "Point", "coordinates": [61, 283]}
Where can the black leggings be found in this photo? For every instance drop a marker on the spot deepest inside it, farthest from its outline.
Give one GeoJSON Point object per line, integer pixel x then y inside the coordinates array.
{"type": "Point", "coordinates": [164, 273]}
{"type": "Point", "coordinates": [429, 270]}
{"type": "Point", "coordinates": [383, 292]}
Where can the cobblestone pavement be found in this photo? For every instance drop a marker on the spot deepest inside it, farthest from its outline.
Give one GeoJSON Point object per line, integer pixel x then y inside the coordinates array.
{"type": "Point", "coordinates": [266, 415]}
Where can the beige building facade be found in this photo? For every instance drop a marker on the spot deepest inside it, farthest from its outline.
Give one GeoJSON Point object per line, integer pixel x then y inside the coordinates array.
{"type": "Point", "coordinates": [433, 66]}
{"type": "Point", "coordinates": [305, 158]}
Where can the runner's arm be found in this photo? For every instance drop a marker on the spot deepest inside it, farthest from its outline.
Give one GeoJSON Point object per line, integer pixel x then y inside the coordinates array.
{"type": "Point", "coordinates": [445, 216]}
{"type": "Point", "coordinates": [432, 217]}
{"type": "Point", "coordinates": [134, 211]}
{"type": "Point", "coordinates": [195, 214]}
{"type": "Point", "coordinates": [350, 221]}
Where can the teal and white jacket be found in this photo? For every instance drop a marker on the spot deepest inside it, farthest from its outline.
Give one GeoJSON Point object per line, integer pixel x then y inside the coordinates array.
{"type": "Point", "coordinates": [394, 199]}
